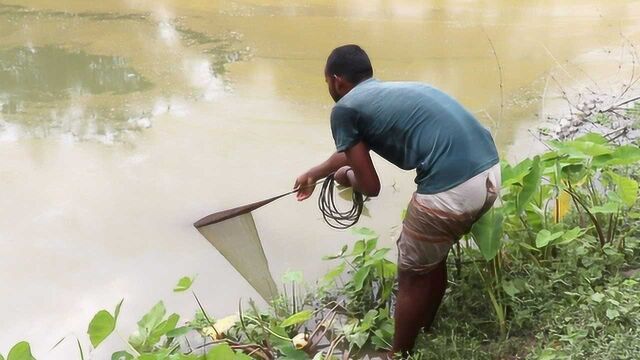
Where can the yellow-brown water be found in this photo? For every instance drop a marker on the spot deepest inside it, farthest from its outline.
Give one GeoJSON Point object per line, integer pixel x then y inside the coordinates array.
{"type": "Point", "coordinates": [122, 122]}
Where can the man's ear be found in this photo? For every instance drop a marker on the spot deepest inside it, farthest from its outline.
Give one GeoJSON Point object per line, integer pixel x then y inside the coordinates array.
{"type": "Point", "coordinates": [341, 85]}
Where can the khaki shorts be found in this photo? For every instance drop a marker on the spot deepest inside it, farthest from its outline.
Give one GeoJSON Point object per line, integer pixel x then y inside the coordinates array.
{"type": "Point", "coordinates": [434, 222]}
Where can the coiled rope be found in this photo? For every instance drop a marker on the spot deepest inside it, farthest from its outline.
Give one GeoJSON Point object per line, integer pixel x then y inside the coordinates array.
{"type": "Point", "coordinates": [333, 216]}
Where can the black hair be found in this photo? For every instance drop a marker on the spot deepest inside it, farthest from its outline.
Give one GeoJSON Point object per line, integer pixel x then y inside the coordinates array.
{"type": "Point", "coordinates": [350, 62]}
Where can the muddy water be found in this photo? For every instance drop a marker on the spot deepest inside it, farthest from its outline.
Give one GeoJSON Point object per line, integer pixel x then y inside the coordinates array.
{"type": "Point", "coordinates": [122, 122]}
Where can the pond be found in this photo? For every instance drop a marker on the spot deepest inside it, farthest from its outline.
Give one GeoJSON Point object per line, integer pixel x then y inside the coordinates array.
{"type": "Point", "coordinates": [122, 122]}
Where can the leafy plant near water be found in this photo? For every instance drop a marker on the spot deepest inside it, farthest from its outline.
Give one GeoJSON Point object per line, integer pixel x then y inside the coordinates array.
{"type": "Point", "coordinates": [553, 274]}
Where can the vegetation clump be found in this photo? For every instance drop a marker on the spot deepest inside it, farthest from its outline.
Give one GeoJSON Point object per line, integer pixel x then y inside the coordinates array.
{"type": "Point", "coordinates": [553, 271]}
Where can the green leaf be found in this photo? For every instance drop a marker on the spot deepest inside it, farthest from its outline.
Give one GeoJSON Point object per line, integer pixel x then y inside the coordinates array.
{"type": "Point", "coordinates": [179, 331]}
{"type": "Point", "coordinates": [597, 297]}
{"type": "Point", "coordinates": [367, 321]}
{"type": "Point", "coordinates": [291, 353]}
{"type": "Point", "coordinates": [487, 233]}
{"type": "Point", "coordinates": [221, 352]}
{"type": "Point", "coordinates": [622, 155]}
{"type": "Point", "coordinates": [163, 328]}
{"type": "Point", "coordinates": [359, 277]}
{"type": "Point", "coordinates": [183, 284]}
{"type": "Point", "coordinates": [121, 355]}
{"type": "Point", "coordinates": [20, 351]}
{"type": "Point", "coordinates": [358, 248]}
{"type": "Point", "coordinates": [359, 339]}
{"type": "Point", "coordinates": [154, 317]}
{"type": "Point", "coordinates": [100, 327]}
{"type": "Point", "coordinates": [377, 256]}
{"type": "Point", "coordinates": [370, 245]}
{"type": "Point", "coordinates": [365, 233]}
{"type": "Point", "coordinates": [530, 184]}
{"type": "Point", "coordinates": [515, 174]}
{"type": "Point", "coordinates": [584, 149]}
{"type": "Point", "coordinates": [297, 318]}
{"type": "Point", "coordinates": [332, 274]}
{"type": "Point", "coordinates": [626, 188]}
{"type": "Point", "coordinates": [608, 208]}
{"type": "Point", "coordinates": [612, 313]}
{"type": "Point", "coordinates": [570, 235]}
{"type": "Point", "coordinates": [593, 138]}
{"type": "Point", "coordinates": [509, 288]}
{"type": "Point", "coordinates": [544, 237]}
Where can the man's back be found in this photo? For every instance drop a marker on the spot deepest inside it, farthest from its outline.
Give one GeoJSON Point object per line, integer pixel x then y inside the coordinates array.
{"type": "Point", "coordinates": [414, 125]}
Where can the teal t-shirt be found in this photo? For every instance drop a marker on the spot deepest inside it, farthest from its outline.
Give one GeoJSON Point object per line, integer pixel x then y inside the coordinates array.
{"type": "Point", "coordinates": [415, 126]}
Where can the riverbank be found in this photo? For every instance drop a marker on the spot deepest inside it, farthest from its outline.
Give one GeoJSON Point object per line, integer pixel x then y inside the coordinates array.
{"type": "Point", "coordinates": [553, 272]}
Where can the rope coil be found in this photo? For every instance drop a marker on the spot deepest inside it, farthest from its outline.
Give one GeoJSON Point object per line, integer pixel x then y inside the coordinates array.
{"type": "Point", "coordinates": [333, 216]}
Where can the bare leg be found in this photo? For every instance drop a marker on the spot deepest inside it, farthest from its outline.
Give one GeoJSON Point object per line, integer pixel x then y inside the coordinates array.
{"type": "Point", "coordinates": [419, 297]}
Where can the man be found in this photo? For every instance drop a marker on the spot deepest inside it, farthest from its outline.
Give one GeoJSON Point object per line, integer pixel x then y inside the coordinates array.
{"type": "Point", "coordinates": [414, 126]}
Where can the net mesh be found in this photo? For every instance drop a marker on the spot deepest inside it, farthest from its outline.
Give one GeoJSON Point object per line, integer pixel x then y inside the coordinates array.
{"type": "Point", "coordinates": [237, 239]}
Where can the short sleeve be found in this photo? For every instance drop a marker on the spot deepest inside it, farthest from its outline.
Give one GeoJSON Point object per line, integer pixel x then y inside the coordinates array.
{"type": "Point", "coordinates": [344, 127]}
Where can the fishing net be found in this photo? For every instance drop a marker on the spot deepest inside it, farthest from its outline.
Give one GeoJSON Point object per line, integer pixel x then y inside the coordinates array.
{"type": "Point", "coordinates": [238, 241]}
{"type": "Point", "coordinates": [233, 232]}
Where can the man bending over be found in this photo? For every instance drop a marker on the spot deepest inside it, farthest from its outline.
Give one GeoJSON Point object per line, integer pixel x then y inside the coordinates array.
{"type": "Point", "coordinates": [414, 126]}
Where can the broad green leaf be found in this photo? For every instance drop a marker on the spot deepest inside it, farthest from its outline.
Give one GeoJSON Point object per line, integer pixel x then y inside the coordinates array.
{"type": "Point", "coordinates": [359, 277]}
{"type": "Point", "coordinates": [358, 248]}
{"type": "Point", "coordinates": [530, 184]}
{"type": "Point", "coordinates": [370, 245]}
{"type": "Point", "coordinates": [487, 233]}
{"type": "Point", "coordinates": [359, 339]}
{"type": "Point", "coordinates": [570, 235]}
{"type": "Point", "coordinates": [154, 317]}
{"type": "Point", "coordinates": [377, 256]}
{"type": "Point", "coordinates": [121, 355]}
{"type": "Point", "coordinates": [179, 331]}
{"type": "Point", "coordinates": [330, 276]}
{"type": "Point", "coordinates": [584, 149]}
{"type": "Point", "coordinates": [221, 352]}
{"type": "Point", "coordinates": [509, 288]}
{"type": "Point", "coordinates": [289, 352]}
{"type": "Point", "coordinates": [612, 313]}
{"type": "Point", "coordinates": [20, 351]}
{"type": "Point", "coordinates": [297, 318]}
{"type": "Point", "coordinates": [365, 233]}
{"type": "Point", "coordinates": [544, 237]}
{"type": "Point", "coordinates": [514, 175]}
{"type": "Point", "coordinates": [597, 297]}
{"type": "Point", "coordinates": [183, 284]}
{"type": "Point", "coordinates": [626, 188]}
{"type": "Point", "coordinates": [608, 208]}
{"type": "Point", "coordinates": [367, 321]}
{"type": "Point", "coordinates": [622, 155]}
{"type": "Point", "coordinates": [100, 327]}
{"type": "Point", "coordinates": [163, 328]}
{"type": "Point", "coordinates": [593, 138]}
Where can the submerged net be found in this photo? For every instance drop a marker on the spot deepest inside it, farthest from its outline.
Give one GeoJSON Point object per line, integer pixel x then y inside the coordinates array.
{"type": "Point", "coordinates": [237, 240]}
{"type": "Point", "coordinates": [233, 232]}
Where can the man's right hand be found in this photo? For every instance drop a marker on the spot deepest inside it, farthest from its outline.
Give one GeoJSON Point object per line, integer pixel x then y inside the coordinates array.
{"type": "Point", "coordinates": [305, 184]}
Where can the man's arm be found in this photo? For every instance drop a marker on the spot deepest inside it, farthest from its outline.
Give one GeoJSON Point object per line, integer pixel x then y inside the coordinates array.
{"type": "Point", "coordinates": [360, 174]}
{"type": "Point", "coordinates": [306, 181]}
